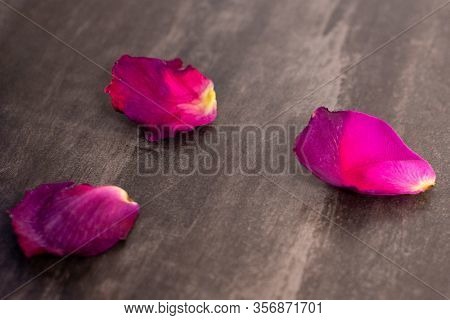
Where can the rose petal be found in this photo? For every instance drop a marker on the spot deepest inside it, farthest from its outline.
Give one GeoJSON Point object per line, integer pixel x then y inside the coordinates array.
{"type": "Point", "coordinates": [162, 95]}
{"type": "Point", "coordinates": [354, 150]}
{"type": "Point", "coordinates": [64, 218]}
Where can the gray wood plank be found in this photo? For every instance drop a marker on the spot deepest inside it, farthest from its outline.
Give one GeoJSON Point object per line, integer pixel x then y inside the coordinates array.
{"type": "Point", "coordinates": [228, 236]}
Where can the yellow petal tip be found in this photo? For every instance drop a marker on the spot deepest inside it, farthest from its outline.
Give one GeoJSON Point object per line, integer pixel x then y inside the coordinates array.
{"type": "Point", "coordinates": [424, 185]}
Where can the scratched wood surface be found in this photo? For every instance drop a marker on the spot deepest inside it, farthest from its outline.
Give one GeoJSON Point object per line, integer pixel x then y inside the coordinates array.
{"type": "Point", "coordinates": [229, 236]}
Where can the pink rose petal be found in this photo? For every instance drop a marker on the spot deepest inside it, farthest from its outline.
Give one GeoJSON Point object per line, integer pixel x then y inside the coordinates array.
{"type": "Point", "coordinates": [64, 218]}
{"type": "Point", "coordinates": [162, 95]}
{"type": "Point", "coordinates": [354, 150]}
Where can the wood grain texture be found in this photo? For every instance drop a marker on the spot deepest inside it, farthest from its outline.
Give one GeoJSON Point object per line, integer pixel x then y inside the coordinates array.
{"type": "Point", "coordinates": [229, 236]}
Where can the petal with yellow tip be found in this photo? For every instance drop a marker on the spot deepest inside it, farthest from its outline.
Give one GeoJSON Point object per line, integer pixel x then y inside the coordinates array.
{"type": "Point", "coordinates": [358, 151]}
{"type": "Point", "coordinates": [162, 95]}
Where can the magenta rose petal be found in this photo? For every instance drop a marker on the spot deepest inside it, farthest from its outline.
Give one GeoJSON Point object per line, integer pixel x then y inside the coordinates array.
{"type": "Point", "coordinates": [163, 95]}
{"type": "Point", "coordinates": [65, 218]}
{"type": "Point", "coordinates": [354, 150]}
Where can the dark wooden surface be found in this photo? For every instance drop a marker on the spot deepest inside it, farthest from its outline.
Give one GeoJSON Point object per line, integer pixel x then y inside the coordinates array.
{"type": "Point", "coordinates": [229, 236]}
